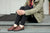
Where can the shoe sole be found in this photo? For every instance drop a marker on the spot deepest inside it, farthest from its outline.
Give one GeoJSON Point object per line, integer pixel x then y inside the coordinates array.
{"type": "Point", "coordinates": [18, 30]}
{"type": "Point", "coordinates": [10, 30]}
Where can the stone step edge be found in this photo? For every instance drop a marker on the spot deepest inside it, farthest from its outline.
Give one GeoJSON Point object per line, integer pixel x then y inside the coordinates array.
{"type": "Point", "coordinates": [27, 31]}
{"type": "Point", "coordinates": [12, 22]}
{"type": "Point", "coordinates": [29, 24]}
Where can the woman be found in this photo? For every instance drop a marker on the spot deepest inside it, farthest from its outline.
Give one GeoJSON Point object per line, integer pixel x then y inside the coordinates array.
{"type": "Point", "coordinates": [32, 8]}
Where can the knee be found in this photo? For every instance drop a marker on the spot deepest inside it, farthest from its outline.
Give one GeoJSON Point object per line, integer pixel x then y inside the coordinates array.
{"type": "Point", "coordinates": [21, 8]}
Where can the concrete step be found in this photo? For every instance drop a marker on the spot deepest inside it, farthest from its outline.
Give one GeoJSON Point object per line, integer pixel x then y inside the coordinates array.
{"type": "Point", "coordinates": [12, 22]}
{"type": "Point", "coordinates": [28, 29]}
{"type": "Point", "coordinates": [46, 21]}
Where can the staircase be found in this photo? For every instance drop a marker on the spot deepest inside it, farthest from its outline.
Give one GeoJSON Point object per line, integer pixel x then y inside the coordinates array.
{"type": "Point", "coordinates": [43, 27]}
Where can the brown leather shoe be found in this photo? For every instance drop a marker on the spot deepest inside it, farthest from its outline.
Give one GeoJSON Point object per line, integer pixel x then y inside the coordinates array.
{"type": "Point", "coordinates": [18, 28]}
{"type": "Point", "coordinates": [11, 28]}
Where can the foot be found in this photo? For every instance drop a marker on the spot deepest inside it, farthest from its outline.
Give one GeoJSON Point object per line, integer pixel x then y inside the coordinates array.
{"type": "Point", "coordinates": [19, 28]}
{"type": "Point", "coordinates": [11, 28]}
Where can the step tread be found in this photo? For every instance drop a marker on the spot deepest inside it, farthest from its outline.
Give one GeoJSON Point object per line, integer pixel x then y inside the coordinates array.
{"type": "Point", "coordinates": [12, 22]}
{"type": "Point", "coordinates": [26, 31]}
{"type": "Point", "coordinates": [46, 21]}
{"type": "Point", "coordinates": [28, 27]}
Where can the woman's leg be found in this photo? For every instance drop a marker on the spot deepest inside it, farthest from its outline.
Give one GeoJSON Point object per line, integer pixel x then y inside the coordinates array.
{"type": "Point", "coordinates": [24, 18]}
{"type": "Point", "coordinates": [18, 18]}
{"type": "Point", "coordinates": [21, 25]}
{"type": "Point", "coordinates": [34, 19]}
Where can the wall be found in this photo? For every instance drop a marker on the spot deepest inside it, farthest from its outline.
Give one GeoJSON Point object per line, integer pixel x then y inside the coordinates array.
{"type": "Point", "coordinates": [10, 6]}
{"type": "Point", "coordinates": [46, 7]}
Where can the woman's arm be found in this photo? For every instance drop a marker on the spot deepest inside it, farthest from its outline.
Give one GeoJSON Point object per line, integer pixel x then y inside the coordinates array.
{"type": "Point", "coordinates": [36, 9]}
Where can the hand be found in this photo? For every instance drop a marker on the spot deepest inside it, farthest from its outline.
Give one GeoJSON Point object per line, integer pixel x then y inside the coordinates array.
{"type": "Point", "coordinates": [20, 12]}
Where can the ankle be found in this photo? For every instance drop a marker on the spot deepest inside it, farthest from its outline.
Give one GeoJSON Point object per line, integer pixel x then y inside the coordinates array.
{"type": "Point", "coordinates": [15, 25]}
{"type": "Point", "coordinates": [21, 26]}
